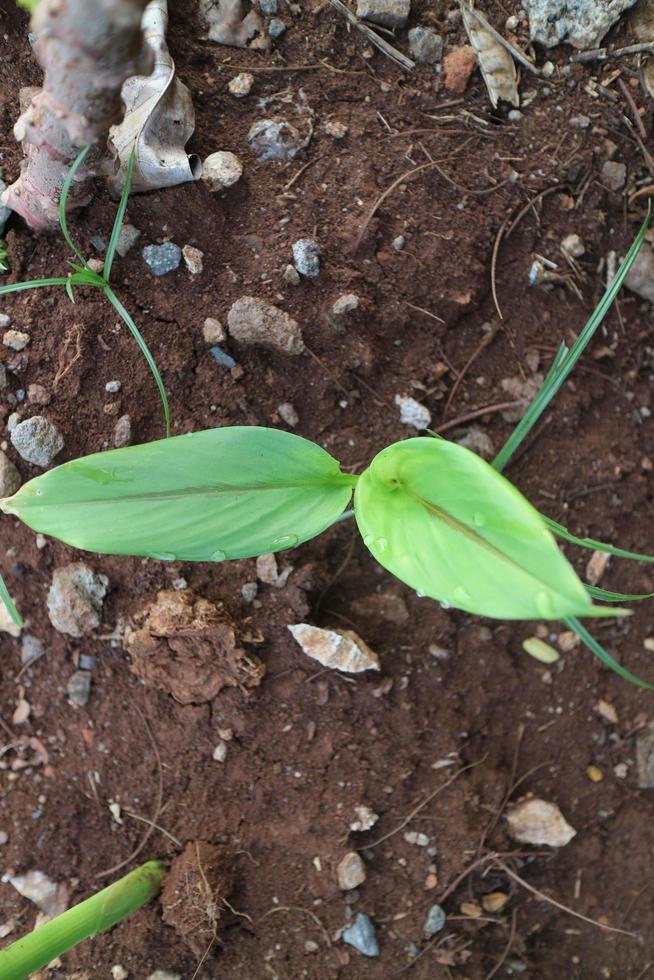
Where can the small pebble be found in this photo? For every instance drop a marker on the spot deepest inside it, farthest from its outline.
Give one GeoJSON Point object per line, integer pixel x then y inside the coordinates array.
{"type": "Point", "coordinates": [3, 377]}
{"type": "Point", "coordinates": [512, 23]}
{"type": "Point", "coordinates": [336, 129]}
{"type": "Point", "coordinates": [435, 921]}
{"type": "Point", "coordinates": [86, 661]}
{"type": "Point", "coordinates": [99, 244]}
{"type": "Point", "coordinates": [38, 395]}
{"type": "Point", "coordinates": [471, 909]}
{"type": "Point", "coordinates": [9, 476]}
{"type": "Point", "coordinates": [113, 387]}
{"type": "Point", "coordinates": [288, 413]}
{"type": "Point", "coordinates": [573, 245]}
{"type": "Point", "coordinates": [221, 170]}
{"type": "Point", "coordinates": [413, 413]}
{"type": "Point", "coordinates": [351, 871]}
{"type": "Point", "coordinates": [249, 591]}
{"type": "Point", "coordinates": [594, 774]}
{"type": "Point", "coordinates": [346, 303]}
{"type": "Point", "coordinates": [36, 440]}
{"type": "Point", "coordinates": [291, 276]}
{"type": "Point", "coordinates": [241, 84]}
{"type": "Point", "coordinates": [514, 115]}
{"type": "Point", "coordinates": [494, 902]}
{"type": "Point", "coordinates": [621, 770]}
{"type": "Point", "coordinates": [4, 837]}
{"type": "Point", "coordinates": [607, 711]}
{"type": "Point", "coordinates": [222, 357]}
{"type": "Point", "coordinates": [579, 122]}
{"type": "Point", "coordinates": [220, 752]}
{"type": "Point", "coordinates": [79, 688]}
{"type": "Point", "coordinates": [96, 265]}
{"type": "Point", "coordinates": [268, 7]}
{"type": "Point", "coordinates": [361, 935]}
{"type": "Point", "coordinates": [426, 46]}
{"type": "Point", "coordinates": [276, 27]}
{"type": "Point", "coordinates": [162, 259]}
{"type": "Point", "coordinates": [193, 259]}
{"type": "Point", "coordinates": [16, 339]}
{"type": "Point", "coordinates": [613, 175]}
{"type": "Point", "coordinates": [274, 139]}
{"type": "Point", "coordinates": [311, 947]}
{"type": "Point", "coordinates": [306, 257]}
{"type": "Point", "coordinates": [123, 432]}
{"type": "Point", "coordinates": [5, 321]}
{"type": "Point", "coordinates": [118, 972]}
{"type": "Point", "coordinates": [127, 238]}
{"type": "Point", "coordinates": [568, 640]}
{"type": "Point", "coordinates": [398, 243]}
{"type": "Point", "coordinates": [213, 331]}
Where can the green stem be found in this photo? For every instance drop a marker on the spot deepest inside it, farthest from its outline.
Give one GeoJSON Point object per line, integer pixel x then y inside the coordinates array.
{"type": "Point", "coordinates": [100, 912]}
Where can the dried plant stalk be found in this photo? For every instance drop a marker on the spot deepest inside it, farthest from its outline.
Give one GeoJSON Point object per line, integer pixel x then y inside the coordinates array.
{"type": "Point", "coordinates": [87, 48]}
{"type": "Point", "coordinates": [496, 64]}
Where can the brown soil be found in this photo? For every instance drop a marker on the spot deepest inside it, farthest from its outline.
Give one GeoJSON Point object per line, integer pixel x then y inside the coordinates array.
{"type": "Point", "coordinates": [308, 746]}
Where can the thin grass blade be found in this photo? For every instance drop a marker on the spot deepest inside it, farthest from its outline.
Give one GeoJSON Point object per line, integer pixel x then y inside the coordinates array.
{"type": "Point", "coordinates": [605, 596]}
{"type": "Point", "coordinates": [69, 290]}
{"type": "Point", "coordinates": [19, 287]}
{"type": "Point", "coordinates": [564, 364]}
{"type": "Point", "coordinates": [573, 623]}
{"type": "Point", "coordinates": [145, 350]}
{"type": "Point", "coordinates": [561, 532]}
{"type": "Point", "coordinates": [63, 221]}
{"type": "Point", "coordinates": [120, 214]}
{"type": "Point", "coordinates": [9, 603]}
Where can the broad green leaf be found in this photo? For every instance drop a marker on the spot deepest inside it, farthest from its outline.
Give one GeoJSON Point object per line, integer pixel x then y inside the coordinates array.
{"type": "Point", "coordinates": [206, 496]}
{"type": "Point", "coordinates": [450, 526]}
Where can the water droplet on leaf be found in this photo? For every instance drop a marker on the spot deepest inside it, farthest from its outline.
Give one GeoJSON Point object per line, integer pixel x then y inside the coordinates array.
{"type": "Point", "coordinates": [164, 556]}
{"type": "Point", "coordinates": [381, 544]}
{"type": "Point", "coordinates": [218, 555]}
{"type": "Point", "coordinates": [285, 541]}
{"type": "Point", "coordinates": [544, 604]}
{"type": "Point", "coordinates": [478, 519]}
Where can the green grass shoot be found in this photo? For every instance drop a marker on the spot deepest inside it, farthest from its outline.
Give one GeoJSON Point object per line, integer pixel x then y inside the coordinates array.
{"type": "Point", "coordinates": [83, 276]}
{"type": "Point", "coordinates": [34, 951]}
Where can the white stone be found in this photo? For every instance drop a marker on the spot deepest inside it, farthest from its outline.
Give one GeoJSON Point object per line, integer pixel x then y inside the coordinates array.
{"type": "Point", "coordinates": [573, 246]}
{"type": "Point", "coordinates": [241, 84]}
{"type": "Point", "coordinates": [336, 649]}
{"type": "Point", "coordinates": [193, 259]}
{"type": "Point", "coordinates": [213, 331]}
{"type": "Point", "coordinates": [413, 413]}
{"type": "Point", "coordinates": [221, 170]}
{"type": "Point", "coordinates": [534, 821]}
{"type": "Point", "coordinates": [346, 303]}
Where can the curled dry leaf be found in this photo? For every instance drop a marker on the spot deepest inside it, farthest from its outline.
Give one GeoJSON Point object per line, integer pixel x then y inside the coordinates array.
{"type": "Point", "coordinates": [337, 649]}
{"type": "Point", "coordinates": [642, 25]}
{"type": "Point", "coordinates": [534, 821]}
{"type": "Point", "coordinates": [159, 117]}
{"type": "Point", "coordinates": [496, 64]}
{"type": "Point", "coordinates": [227, 25]}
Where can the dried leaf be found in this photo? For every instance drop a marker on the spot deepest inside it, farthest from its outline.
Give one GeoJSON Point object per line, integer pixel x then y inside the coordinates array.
{"type": "Point", "coordinates": [496, 64]}
{"type": "Point", "coordinates": [159, 117]}
{"type": "Point", "coordinates": [337, 649]}
{"type": "Point", "coordinates": [227, 25]}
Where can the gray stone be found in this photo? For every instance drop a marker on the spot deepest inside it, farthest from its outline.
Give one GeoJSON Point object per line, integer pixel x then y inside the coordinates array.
{"type": "Point", "coordinates": [99, 244]}
{"type": "Point", "coordinates": [221, 170]}
{"type": "Point", "coordinates": [306, 257]}
{"type": "Point", "coordinates": [79, 688]}
{"type": "Point", "coordinates": [123, 432]}
{"type": "Point", "coordinates": [222, 357]}
{"type": "Point", "coordinates": [582, 23]}
{"type": "Point", "coordinates": [426, 45]}
{"type": "Point", "coordinates": [398, 243]}
{"type": "Point", "coordinates": [640, 278]}
{"type": "Point", "coordinates": [645, 758]}
{"type": "Point", "coordinates": [86, 661]}
{"type": "Point", "coordinates": [75, 598]}
{"type": "Point", "coordinates": [361, 935]}
{"type": "Point", "coordinates": [388, 13]}
{"type": "Point", "coordinates": [127, 239]}
{"type": "Point", "coordinates": [268, 7]}
{"type": "Point", "coordinates": [276, 27]}
{"type": "Point", "coordinates": [614, 175]}
{"type": "Point", "coordinates": [241, 84]}
{"type": "Point", "coordinates": [274, 139]}
{"type": "Point", "coordinates": [38, 395]}
{"type": "Point", "coordinates": [37, 440]}
{"type": "Point", "coordinates": [249, 591]}
{"type": "Point", "coordinates": [478, 441]}
{"type": "Point", "coordinates": [31, 648]}
{"type": "Point", "coordinates": [289, 414]}
{"type": "Point", "coordinates": [253, 321]}
{"type": "Point", "coordinates": [291, 276]}
{"type": "Point", "coordinates": [9, 476]}
{"type": "Point", "coordinates": [435, 921]}
{"type": "Point", "coordinates": [346, 303]}
{"type": "Point", "coordinates": [5, 321]}
{"type": "Point", "coordinates": [162, 258]}
{"type": "Point", "coordinates": [113, 387]}
{"type": "Point", "coordinates": [3, 377]}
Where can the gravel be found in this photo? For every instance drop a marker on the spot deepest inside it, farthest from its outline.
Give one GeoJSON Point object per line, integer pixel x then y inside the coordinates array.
{"type": "Point", "coordinates": [254, 321]}
{"type": "Point", "coordinates": [162, 259]}
{"type": "Point", "coordinates": [9, 476]}
{"type": "Point", "coordinates": [79, 688]}
{"type": "Point", "coordinates": [127, 239]}
{"type": "Point", "coordinates": [361, 935]}
{"type": "Point", "coordinates": [37, 440]}
{"type": "Point", "coordinates": [306, 257]}
{"type": "Point", "coordinates": [435, 921]}
{"type": "Point", "coordinates": [426, 46]}
{"type": "Point", "coordinates": [221, 170]}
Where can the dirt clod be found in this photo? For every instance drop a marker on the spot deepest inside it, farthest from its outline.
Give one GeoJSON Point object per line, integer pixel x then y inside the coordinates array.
{"type": "Point", "coordinates": [200, 878]}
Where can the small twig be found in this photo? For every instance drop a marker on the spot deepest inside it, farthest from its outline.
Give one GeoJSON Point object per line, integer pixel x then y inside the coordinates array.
{"type": "Point", "coordinates": [493, 269]}
{"type": "Point", "coordinates": [482, 345]}
{"type": "Point", "coordinates": [629, 99]}
{"type": "Point", "coordinates": [382, 197]}
{"type": "Point", "coordinates": [507, 949]}
{"type": "Point", "coordinates": [157, 809]}
{"type": "Point", "coordinates": [298, 908]}
{"type": "Point", "coordinates": [424, 803]}
{"type": "Point", "coordinates": [156, 826]}
{"type": "Point", "coordinates": [602, 54]}
{"type": "Point", "coordinates": [421, 309]}
{"type": "Point", "coordinates": [296, 177]}
{"type": "Point", "coordinates": [386, 48]}
{"type": "Point", "coordinates": [478, 412]}
{"type": "Point", "coordinates": [563, 908]}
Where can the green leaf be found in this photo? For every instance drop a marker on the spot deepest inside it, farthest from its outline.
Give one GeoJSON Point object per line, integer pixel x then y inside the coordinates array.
{"type": "Point", "coordinates": [9, 603]}
{"type": "Point", "coordinates": [606, 658]}
{"type": "Point", "coordinates": [446, 523]}
{"type": "Point", "coordinates": [63, 200]}
{"type": "Point", "coordinates": [19, 287]}
{"type": "Point", "coordinates": [120, 214]}
{"type": "Point", "coordinates": [206, 496]}
{"type": "Point", "coordinates": [605, 596]}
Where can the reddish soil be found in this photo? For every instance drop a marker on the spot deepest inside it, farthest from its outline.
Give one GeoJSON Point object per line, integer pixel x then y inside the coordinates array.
{"type": "Point", "coordinates": [308, 746]}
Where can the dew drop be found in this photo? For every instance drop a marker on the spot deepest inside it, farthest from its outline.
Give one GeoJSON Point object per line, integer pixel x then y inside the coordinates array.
{"type": "Point", "coordinates": [445, 605]}
{"type": "Point", "coordinates": [286, 541]}
{"type": "Point", "coordinates": [218, 555]}
{"type": "Point", "coordinates": [381, 544]}
{"type": "Point", "coordinates": [421, 595]}
{"type": "Point", "coordinates": [368, 540]}
{"type": "Point", "coordinates": [39, 492]}
{"type": "Point", "coordinates": [461, 595]}
{"type": "Point", "coordinates": [164, 556]}
{"type": "Point", "coordinates": [544, 604]}
{"type": "Point", "coordinates": [478, 519]}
